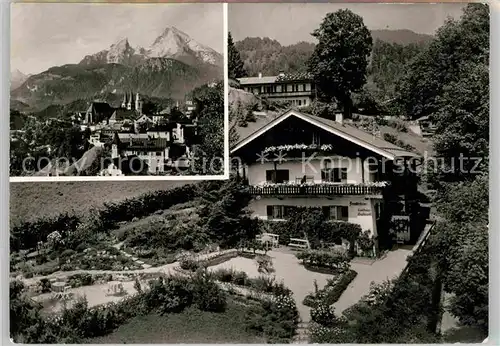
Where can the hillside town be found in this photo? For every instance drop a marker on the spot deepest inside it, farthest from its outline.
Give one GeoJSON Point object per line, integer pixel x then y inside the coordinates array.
{"type": "Point", "coordinates": [163, 141]}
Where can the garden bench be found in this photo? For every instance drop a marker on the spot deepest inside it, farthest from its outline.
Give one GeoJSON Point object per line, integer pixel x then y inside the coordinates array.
{"type": "Point", "coordinates": [299, 243]}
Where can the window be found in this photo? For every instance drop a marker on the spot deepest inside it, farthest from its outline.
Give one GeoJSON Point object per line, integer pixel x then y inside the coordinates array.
{"type": "Point", "coordinates": [315, 140]}
{"type": "Point", "coordinates": [333, 175]}
{"type": "Point", "coordinates": [158, 153]}
{"type": "Point", "coordinates": [279, 211]}
{"type": "Point", "coordinates": [300, 102]}
{"type": "Point", "coordinates": [336, 212]}
{"type": "Point", "coordinates": [277, 176]}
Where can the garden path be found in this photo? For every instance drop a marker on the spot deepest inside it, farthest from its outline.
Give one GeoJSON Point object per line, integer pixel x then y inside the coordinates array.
{"type": "Point", "coordinates": [384, 269]}
{"type": "Point", "coordinates": [301, 281]}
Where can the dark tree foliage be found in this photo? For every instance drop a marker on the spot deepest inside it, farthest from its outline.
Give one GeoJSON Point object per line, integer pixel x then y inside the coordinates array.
{"type": "Point", "coordinates": [340, 59]}
{"type": "Point", "coordinates": [224, 215]}
{"type": "Point", "coordinates": [269, 57]}
{"type": "Point", "coordinates": [235, 64]}
{"type": "Point", "coordinates": [457, 42]}
{"type": "Point", "coordinates": [462, 249]}
{"type": "Point", "coordinates": [209, 155]}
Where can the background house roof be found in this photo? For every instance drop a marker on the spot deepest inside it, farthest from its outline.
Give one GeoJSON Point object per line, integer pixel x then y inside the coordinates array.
{"type": "Point", "coordinates": [257, 80]}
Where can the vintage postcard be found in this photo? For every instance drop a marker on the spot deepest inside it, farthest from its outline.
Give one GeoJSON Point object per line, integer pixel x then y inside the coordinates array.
{"type": "Point", "coordinates": [355, 210]}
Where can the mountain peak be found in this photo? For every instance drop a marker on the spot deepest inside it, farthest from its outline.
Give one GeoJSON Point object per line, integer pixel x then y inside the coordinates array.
{"type": "Point", "coordinates": [123, 42]}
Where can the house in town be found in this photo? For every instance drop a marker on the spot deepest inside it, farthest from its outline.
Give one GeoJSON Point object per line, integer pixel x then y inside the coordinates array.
{"type": "Point", "coordinates": [302, 160]}
{"type": "Point", "coordinates": [426, 125]}
{"type": "Point", "coordinates": [297, 88]}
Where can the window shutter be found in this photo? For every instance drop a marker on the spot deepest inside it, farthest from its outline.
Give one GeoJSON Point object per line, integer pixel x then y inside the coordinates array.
{"type": "Point", "coordinates": [269, 175]}
{"type": "Point", "coordinates": [270, 210]}
{"type": "Point", "coordinates": [343, 174]}
{"type": "Point", "coordinates": [326, 211]}
{"type": "Point", "coordinates": [343, 213]}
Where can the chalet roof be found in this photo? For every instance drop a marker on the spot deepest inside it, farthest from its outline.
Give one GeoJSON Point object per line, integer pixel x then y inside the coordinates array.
{"type": "Point", "coordinates": [287, 77]}
{"type": "Point", "coordinates": [350, 133]}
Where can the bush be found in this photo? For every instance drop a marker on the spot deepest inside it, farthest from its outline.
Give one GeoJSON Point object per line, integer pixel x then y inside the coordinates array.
{"type": "Point", "coordinates": [275, 319]}
{"type": "Point", "coordinates": [323, 314]}
{"type": "Point", "coordinates": [207, 295]}
{"type": "Point", "coordinates": [78, 280]}
{"type": "Point", "coordinates": [337, 260]}
{"type": "Point", "coordinates": [332, 291]}
{"type": "Point", "coordinates": [27, 234]}
{"type": "Point", "coordinates": [45, 285]}
{"type": "Point", "coordinates": [189, 263]}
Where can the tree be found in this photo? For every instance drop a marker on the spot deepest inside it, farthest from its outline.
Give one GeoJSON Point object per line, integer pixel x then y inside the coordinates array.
{"type": "Point", "coordinates": [209, 154]}
{"type": "Point", "coordinates": [235, 64]}
{"type": "Point", "coordinates": [456, 43]}
{"type": "Point", "coordinates": [462, 249]}
{"type": "Point", "coordinates": [340, 59]}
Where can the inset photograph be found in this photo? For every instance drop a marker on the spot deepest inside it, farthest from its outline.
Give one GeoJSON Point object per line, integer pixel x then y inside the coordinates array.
{"type": "Point", "coordinates": [116, 90]}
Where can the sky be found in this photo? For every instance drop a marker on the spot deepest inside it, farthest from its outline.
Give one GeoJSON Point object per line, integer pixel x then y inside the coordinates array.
{"type": "Point", "coordinates": [53, 34]}
{"type": "Point", "coordinates": [292, 23]}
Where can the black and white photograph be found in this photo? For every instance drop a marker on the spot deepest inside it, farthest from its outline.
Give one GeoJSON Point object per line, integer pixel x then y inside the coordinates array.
{"type": "Point", "coordinates": [116, 90]}
{"type": "Point", "coordinates": [355, 208]}
{"type": "Point", "coordinates": [361, 132]}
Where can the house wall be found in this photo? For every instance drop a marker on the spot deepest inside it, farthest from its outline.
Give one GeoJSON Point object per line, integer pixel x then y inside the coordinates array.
{"type": "Point", "coordinates": [256, 173]}
{"type": "Point", "coordinates": [361, 210]}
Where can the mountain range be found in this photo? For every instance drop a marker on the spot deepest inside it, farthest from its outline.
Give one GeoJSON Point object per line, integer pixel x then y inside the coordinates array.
{"type": "Point", "coordinates": [268, 56]}
{"type": "Point", "coordinates": [170, 67]}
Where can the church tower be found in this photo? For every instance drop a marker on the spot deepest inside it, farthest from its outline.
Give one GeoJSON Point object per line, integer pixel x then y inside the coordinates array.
{"type": "Point", "coordinates": [124, 102]}
{"type": "Point", "coordinates": [138, 103]}
{"type": "Point", "coordinates": [129, 103]}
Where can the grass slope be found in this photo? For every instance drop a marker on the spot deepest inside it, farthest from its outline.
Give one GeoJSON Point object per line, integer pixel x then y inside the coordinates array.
{"type": "Point", "coordinates": [190, 326]}
{"type": "Point", "coordinates": [31, 200]}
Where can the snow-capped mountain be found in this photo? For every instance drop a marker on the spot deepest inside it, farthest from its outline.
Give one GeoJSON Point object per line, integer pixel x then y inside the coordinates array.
{"type": "Point", "coordinates": [172, 43]}
{"type": "Point", "coordinates": [17, 78]}
{"type": "Point", "coordinates": [173, 65]}
{"type": "Point", "coordinates": [118, 53]}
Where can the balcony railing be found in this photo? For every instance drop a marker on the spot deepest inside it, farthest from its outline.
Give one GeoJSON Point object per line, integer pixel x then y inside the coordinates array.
{"type": "Point", "coordinates": [317, 189]}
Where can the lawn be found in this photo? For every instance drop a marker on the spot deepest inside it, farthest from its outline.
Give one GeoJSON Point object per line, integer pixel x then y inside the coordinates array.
{"type": "Point", "coordinates": [32, 200]}
{"type": "Point", "coordinates": [190, 326]}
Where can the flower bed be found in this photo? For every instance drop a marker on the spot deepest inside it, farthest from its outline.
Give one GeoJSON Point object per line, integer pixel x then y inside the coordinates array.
{"type": "Point", "coordinates": [332, 291]}
{"type": "Point", "coordinates": [328, 262]}
{"type": "Point", "coordinates": [192, 263]}
{"type": "Point", "coordinates": [262, 283]}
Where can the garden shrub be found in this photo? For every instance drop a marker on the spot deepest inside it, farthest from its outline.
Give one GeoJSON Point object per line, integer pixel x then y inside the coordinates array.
{"type": "Point", "coordinates": [26, 235]}
{"type": "Point", "coordinates": [206, 293]}
{"type": "Point", "coordinates": [336, 260]}
{"type": "Point", "coordinates": [332, 291]}
{"type": "Point", "coordinates": [276, 319]}
{"type": "Point", "coordinates": [323, 314]}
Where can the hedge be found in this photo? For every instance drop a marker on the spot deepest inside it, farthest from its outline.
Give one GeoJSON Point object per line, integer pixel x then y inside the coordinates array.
{"type": "Point", "coordinates": [331, 293]}
{"type": "Point", "coordinates": [27, 234]}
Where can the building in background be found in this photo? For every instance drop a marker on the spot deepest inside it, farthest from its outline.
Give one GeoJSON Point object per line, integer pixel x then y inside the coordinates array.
{"type": "Point", "coordinates": [296, 88]}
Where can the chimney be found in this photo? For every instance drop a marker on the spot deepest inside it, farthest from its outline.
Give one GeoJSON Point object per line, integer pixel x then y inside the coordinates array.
{"type": "Point", "coordinates": [339, 117]}
{"type": "Point", "coordinates": [260, 74]}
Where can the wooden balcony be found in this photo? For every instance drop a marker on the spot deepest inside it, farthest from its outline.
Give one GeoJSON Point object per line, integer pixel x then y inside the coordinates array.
{"type": "Point", "coordinates": [317, 189]}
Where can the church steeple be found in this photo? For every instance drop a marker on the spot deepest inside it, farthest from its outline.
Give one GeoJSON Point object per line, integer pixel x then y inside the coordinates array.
{"type": "Point", "coordinates": [124, 102]}
{"type": "Point", "coordinates": [129, 103]}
